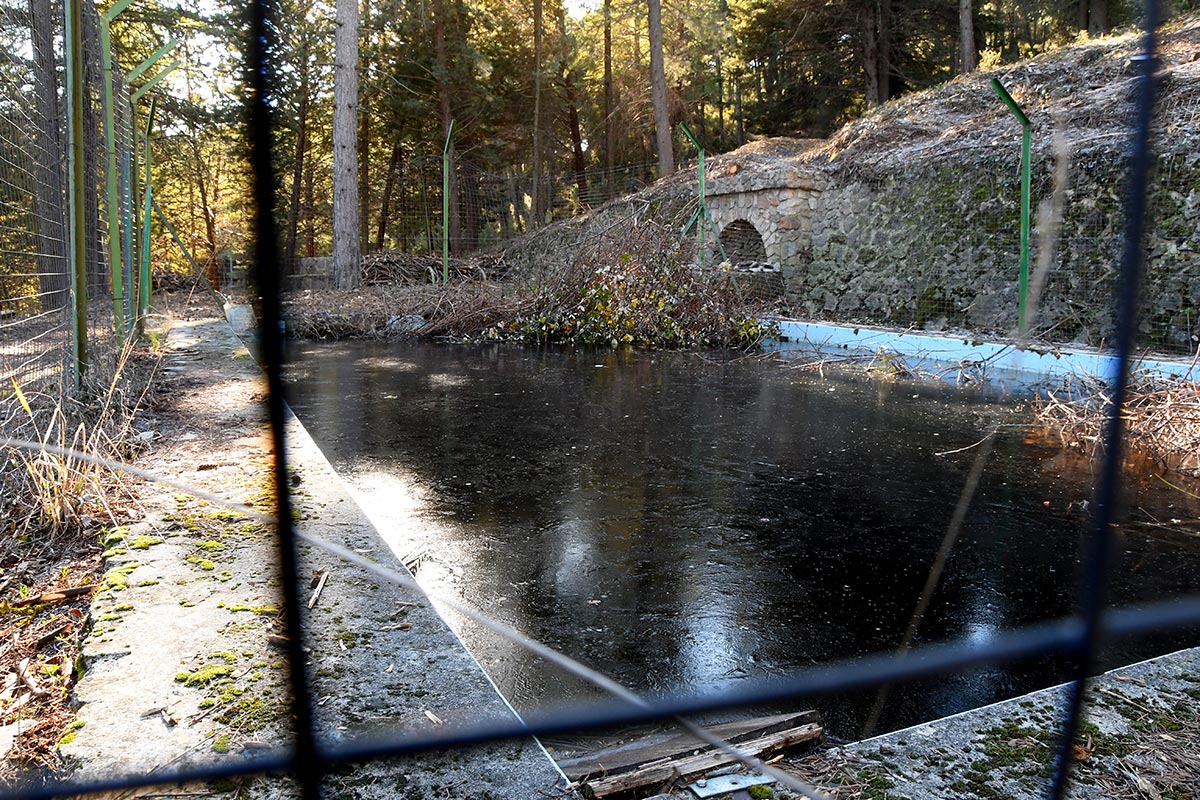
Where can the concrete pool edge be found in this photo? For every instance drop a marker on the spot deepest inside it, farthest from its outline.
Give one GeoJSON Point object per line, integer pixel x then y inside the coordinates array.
{"type": "Point", "coordinates": [963, 358]}
{"type": "Point", "coordinates": [446, 669]}
{"type": "Point", "coordinates": [1004, 747]}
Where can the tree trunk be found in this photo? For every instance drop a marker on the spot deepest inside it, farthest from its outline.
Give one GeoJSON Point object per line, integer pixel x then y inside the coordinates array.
{"type": "Point", "coordinates": [293, 220]}
{"type": "Point", "coordinates": [610, 132]}
{"type": "Point", "coordinates": [1093, 17]}
{"type": "Point", "coordinates": [389, 186]}
{"type": "Point", "coordinates": [720, 143]}
{"type": "Point", "coordinates": [99, 277]}
{"type": "Point", "coordinates": [309, 211]}
{"type": "Point", "coordinates": [210, 262]}
{"type": "Point", "coordinates": [870, 26]}
{"type": "Point", "coordinates": [364, 146]}
{"type": "Point", "coordinates": [578, 163]}
{"type": "Point", "coordinates": [537, 113]}
{"type": "Point", "coordinates": [884, 50]}
{"type": "Point", "coordinates": [347, 262]}
{"type": "Point", "coordinates": [658, 93]}
{"type": "Point", "coordinates": [49, 154]}
{"type": "Point", "coordinates": [966, 36]}
{"type": "Point", "coordinates": [737, 109]}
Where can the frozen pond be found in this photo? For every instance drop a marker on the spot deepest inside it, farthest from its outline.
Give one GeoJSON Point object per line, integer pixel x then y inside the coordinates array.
{"type": "Point", "coordinates": [685, 521]}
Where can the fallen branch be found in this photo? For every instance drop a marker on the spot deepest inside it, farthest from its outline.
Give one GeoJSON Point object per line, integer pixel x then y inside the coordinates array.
{"type": "Point", "coordinates": [669, 769]}
{"type": "Point", "coordinates": [56, 596]}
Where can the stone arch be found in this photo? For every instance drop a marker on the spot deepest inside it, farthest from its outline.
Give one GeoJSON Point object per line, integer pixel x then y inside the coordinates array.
{"type": "Point", "coordinates": [743, 243]}
{"type": "Point", "coordinates": [747, 208]}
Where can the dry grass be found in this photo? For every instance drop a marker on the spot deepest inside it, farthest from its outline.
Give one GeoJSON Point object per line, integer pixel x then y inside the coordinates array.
{"type": "Point", "coordinates": [1084, 88]}
{"type": "Point", "coordinates": [53, 509]}
{"type": "Point", "coordinates": [1162, 419]}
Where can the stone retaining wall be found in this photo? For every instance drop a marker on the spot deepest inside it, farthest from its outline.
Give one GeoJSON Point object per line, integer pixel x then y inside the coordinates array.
{"type": "Point", "coordinates": [937, 248]}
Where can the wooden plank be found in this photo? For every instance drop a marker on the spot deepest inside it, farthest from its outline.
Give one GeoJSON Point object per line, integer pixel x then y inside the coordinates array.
{"type": "Point", "coordinates": [657, 772]}
{"type": "Point", "coordinates": [627, 756]}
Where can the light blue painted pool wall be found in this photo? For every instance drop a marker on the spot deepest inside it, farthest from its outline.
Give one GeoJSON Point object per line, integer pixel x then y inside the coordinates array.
{"type": "Point", "coordinates": [929, 352]}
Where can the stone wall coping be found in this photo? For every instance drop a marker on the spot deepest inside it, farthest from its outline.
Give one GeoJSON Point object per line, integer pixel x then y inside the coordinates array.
{"type": "Point", "coordinates": [747, 181]}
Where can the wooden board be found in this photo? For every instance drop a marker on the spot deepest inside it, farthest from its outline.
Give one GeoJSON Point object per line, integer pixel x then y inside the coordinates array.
{"type": "Point", "coordinates": [626, 756]}
{"type": "Point", "coordinates": [666, 769]}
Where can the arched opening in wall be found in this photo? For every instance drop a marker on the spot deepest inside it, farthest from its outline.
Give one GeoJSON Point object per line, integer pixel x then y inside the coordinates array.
{"type": "Point", "coordinates": [743, 244]}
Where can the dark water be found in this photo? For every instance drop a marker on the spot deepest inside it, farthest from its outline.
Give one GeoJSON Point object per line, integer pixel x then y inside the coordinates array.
{"type": "Point", "coordinates": [686, 522]}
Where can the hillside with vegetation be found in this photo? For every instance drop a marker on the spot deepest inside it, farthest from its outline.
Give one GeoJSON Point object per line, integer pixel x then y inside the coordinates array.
{"type": "Point", "coordinates": [955, 146]}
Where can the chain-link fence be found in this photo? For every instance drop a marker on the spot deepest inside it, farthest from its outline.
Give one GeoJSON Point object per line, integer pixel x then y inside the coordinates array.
{"type": "Point", "coordinates": [54, 307]}
{"type": "Point", "coordinates": [489, 207]}
{"type": "Point", "coordinates": [34, 294]}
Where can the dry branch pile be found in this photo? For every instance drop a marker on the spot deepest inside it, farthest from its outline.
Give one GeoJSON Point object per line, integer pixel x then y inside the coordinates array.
{"type": "Point", "coordinates": [623, 274]}
{"type": "Point", "coordinates": [391, 267]}
{"type": "Point", "coordinates": [1162, 419]}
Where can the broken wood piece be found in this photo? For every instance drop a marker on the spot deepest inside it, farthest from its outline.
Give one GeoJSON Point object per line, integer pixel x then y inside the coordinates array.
{"type": "Point", "coordinates": [670, 768]}
{"type": "Point", "coordinates": [30, 683]}
{"type": "Point", "coordinates": [56, 596]}
{"type": "Point", "coordinates": [677, 744]}
{"type": "Point", "coordinates": [312, 601]}
{"type": "Point", "coordinates": [400, 626]}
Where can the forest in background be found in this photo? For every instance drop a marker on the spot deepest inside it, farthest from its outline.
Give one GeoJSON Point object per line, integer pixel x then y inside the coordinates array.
{"type": "Point", "coordinates": [542, 94]}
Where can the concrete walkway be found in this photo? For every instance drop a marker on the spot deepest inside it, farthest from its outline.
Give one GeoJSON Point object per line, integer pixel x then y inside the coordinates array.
{"type": "Point", "coordinates": [181, 667]}
{"type": "Point", "coordinates": [1140, 739]}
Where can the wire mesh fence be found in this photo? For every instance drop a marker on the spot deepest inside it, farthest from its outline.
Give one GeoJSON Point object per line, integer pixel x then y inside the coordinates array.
{"type": "Point", "coordinates": [491, 208]}
{"type": "Point", "coordinates": [34, 296]}
{"type": "Point", "coordinates": [38, 298]}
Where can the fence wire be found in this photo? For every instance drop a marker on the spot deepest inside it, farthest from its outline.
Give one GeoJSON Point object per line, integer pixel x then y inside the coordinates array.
{"type": "Point", "coordinates": [34, 293]}
{"type": "Point", "coordinates": [36, 303]}
{"type": "Point", "coordinates": [491, 208]}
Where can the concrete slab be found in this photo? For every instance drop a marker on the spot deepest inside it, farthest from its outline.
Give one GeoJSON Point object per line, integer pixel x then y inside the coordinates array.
{"type": "Point", "coordinates": [1140, 739]}
{"type": "Point", "coordinates": [180, 667]}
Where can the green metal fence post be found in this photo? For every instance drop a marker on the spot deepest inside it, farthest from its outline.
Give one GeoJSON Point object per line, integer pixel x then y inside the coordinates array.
{"type": "Point", "coordinates": [128, 195]}
{"type": "Point", "coordinates": [112, 201]}
{"type": "Point", "coordinates": [702, 216]}
{"type": "Point", "coordinates": [73, 44]}
{"type": "Point", "coordinates": [1026, 180]}
{"type": "Point", "coordinates": [147, 218]}
{"type": "Point", "coordinates": [702, 211]}
{"type": "Point", "coordinates": [446, 205]}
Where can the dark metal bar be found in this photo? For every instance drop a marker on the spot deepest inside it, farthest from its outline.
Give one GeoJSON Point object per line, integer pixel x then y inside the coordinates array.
{"type": "Point", "coordinates": [1057, 636]}
{"type": "Point", "coordinates": [1099, 544]}
{"type": "Point", "coordinates": [305, 764]}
